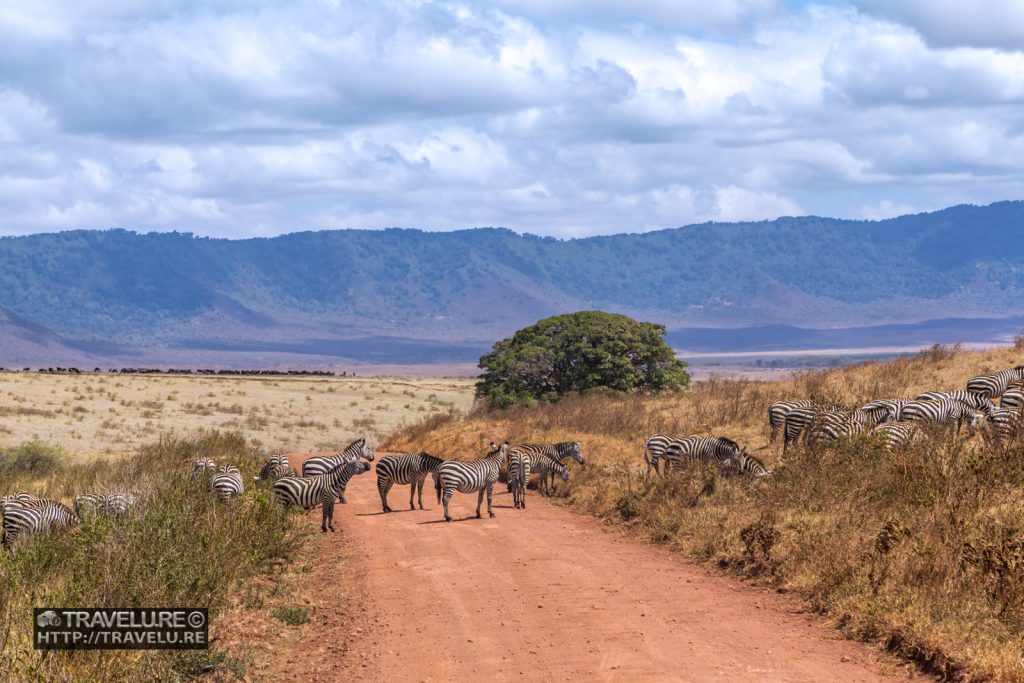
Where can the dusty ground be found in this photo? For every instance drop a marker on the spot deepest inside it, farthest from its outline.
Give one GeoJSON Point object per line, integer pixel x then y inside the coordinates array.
{"type": "Point", "coordinates": [541, 594]}
{"type": "Point", "coordinates": [97, 414]}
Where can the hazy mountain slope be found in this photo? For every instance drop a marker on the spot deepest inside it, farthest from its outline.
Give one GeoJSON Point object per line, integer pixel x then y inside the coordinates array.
{"type": "Point", "coordinates": [127, 290]}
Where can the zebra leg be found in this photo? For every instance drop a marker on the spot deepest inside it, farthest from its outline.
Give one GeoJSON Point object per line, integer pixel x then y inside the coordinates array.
{"type": "Point", "coordinates": [480, 501]}
{"type": "Point", "coordinates": [422, 480]}
{"type": "Point", "coordinates": [490, 491]}
{"type": "Point", "coordinates": [383, 489]}
{"type": "Point", "coordinates": [412, 492]}
{"type": "Point", "coordinates": [447, 497]}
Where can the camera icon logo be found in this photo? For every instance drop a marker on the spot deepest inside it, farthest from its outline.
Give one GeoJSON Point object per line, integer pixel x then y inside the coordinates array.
{"type": "Point", "coordinates": [48, 618]}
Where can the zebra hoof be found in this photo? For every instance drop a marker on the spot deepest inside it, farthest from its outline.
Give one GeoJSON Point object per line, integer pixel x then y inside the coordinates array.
{"type": "Point", "coordinates": [323, 530]}
{"type": "Point", "coordinates": [489, 514]}
{"type": "Point", "coordinates": [413, 507]}
{"type": "Point", "coordinates": [447, 519]}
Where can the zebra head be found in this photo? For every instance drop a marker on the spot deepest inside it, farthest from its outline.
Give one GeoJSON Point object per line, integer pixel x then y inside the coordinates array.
{"type": "Point", "coordinates": [576, 453]}
{"type": "Point", "coordinates": [562, 471]}
{"type": "Point", "coordinates": [366, 452]}
{"type": "Point", "coordinates": [748, 464]}
{"type": "Point", "coordinates": [361, 467]}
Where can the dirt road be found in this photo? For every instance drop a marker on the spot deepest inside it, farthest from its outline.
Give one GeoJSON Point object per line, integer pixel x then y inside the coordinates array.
{"type": "Point", "coordinates": [544, 594]}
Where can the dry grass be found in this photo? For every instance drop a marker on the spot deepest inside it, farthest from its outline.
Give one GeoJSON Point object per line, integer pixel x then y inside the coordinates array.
{"type": "Point", "coordinates": [102, 414]}
{"type": "Point", "coordinates": [921, 552]}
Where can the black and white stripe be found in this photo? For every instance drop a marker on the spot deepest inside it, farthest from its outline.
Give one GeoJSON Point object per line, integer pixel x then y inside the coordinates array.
{"type": "Point", "coordinates": [717, 450]}
{"type": "Point", "coordinates": [519, 467]}
{"type": "Point", "coordinates": [320, 464]}
{"type": "Point", "coordinates": [467, 477]}
{"type": "Point", "coordinates": [227, 483]}
{"type": "Point", "coordinates": [897, 436]}
{"type": "Point", "coordinates": [834, 426]}
{"type": "Point", "coordinates": [558, 452]}
{"type": "Point", "coordinates": [274, 468]}
{"type": "Point", "coordinates": [941, 411]}
{"type": "Point", "coordinates": [203, 465]}
{"type": "Point", "coordinates": [309, 492]}
{"type": "Point", "coordinates": [778, 411]}
{"type": "Point", "coordinates": [545, 467]}
{"type": "Point", "coordinates": [1003, 423]}
{"type": "Point", "coordinates": [411, 468]}
{"type": "Point", "coordinates": [25, 520]}
{"type": "Point", "coordinates": [799, 420]}
{"type": "Point", "coordinates": [885, 409]}
{"type": "Point", "coordinates": [993, 384]}
{"type": "Point", "coordinates": [973, 400]}
{"type": "Point", "coordinates": [1012, 399]}
{"type": "Point", "coordinates": [654, 450]}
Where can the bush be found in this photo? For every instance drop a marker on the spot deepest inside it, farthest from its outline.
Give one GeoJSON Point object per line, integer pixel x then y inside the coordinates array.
{"type": "Point", "coordinates": [32, 458]}
{"type": "Point", "coordinates": [579, 352]}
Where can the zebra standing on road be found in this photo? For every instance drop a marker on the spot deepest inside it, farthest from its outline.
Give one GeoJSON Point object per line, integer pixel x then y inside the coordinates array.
{"type": "Point", "coordinates": [33, 519]}
{"type": "Point", "coordinates": [227, 483]}
{"type": "Point", "coordinates": [410, 469]}
{"type": "Point", "coordinates": [777, 413]}
{"type": "Point", "coordinates": [968, 398]}
{"type": "Point", "coordinates": [274, 468]}
{"type": "Point", "coordinates": [323, 464]}
{"type": "Point", "coordinates": [942, 411]}
{"type": "Point", "coordinates": [322, 489]}
{"type": "Point", "coordinates": [467, 477]}
{"type": "Point", "coordinates": [519, 467]}
{"type": "Point", "coordinates": [546, 465]}
{"type": "Point", "coordinates": [556, 451]}
{"type": "Point", "coordinates": [993, 384]}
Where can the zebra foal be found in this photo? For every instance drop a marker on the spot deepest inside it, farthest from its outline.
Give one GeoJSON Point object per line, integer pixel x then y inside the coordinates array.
{"type": "Point", "coordinates": [467, 477]}
{"type": "Point", "coordinates": [411, 468]}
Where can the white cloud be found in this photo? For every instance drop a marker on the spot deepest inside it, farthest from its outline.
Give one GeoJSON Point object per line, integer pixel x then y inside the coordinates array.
{"type": "Point", "coordinates": [949, 23]}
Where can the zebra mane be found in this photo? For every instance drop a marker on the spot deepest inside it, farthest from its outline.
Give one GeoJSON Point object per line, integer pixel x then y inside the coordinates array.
{"type": "Point", "coordinates": [432, 458]}
{"type": "Point", "coordinates": [729, 442]}
{"type": "Point", "coordinates": [354, 448]}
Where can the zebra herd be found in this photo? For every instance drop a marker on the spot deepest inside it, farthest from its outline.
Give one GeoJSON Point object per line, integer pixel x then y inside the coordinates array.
{"type": "Point", "coordinates": [24, 513]}
{"type": "Point", "coordinates": [716, 450]}
{"type": "Point", "coordinates": [899, 422]}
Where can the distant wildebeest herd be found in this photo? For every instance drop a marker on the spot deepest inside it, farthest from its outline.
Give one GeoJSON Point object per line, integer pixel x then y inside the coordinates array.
{"type": "Point", "coordinates": [898, 422]}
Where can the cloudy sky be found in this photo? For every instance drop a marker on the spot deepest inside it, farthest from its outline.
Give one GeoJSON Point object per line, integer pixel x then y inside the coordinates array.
{"type": "Point", "coordinates": [556, 117]}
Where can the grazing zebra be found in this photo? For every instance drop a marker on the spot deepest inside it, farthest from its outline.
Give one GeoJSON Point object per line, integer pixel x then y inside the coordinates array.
{"type": "Point", "coordinates": [118, 503]}
{"type": "Point", "coordinates": [467, 477]}
{"type": "Point", "coordinates": [941, 411]}
{"type": "Point", "coordinates": [982, 403]}
{"type": "Point", "coordinates": [227, 483]}
{"type": "Point", "coordinates": [654, 450]}
{"type": "Point", "coordinates": [747, 464]}
{"type": "Point", "coordinates": [322, 489]}
{"type": "Point", "coordinates": [88, 504]}
{"type": "Point", "coordinates": [545, 465]}
{"type": "Point", "coordinates": [556, 451]}
{"type": "Point", "coordinates": [993, 384]}
{"type": "Point", "coordinates": [835, 426]}
{"type": "Point", "coordinates": [404, 469]}
{"type": "Point", "coordinates": [109, 504]}
{"type": "Point", "coordinates": [21, 498]}
{"type": "Point", "coordinates": [777, 413]}
{"type": "Point", "coordinates": [320, 464]}
{"type": "Point", "coordinates": [1013, 399]}
{"type": "Point", "coordinates": [706, 449]}
{"type": "Point", "coordinates": [885, 409]}
{"type": "Point", "coordinates": [519, 467]}
{"type": "Point", "coordinates": [897, 436]}
{"type": "Point", "coordinates": [203, 465]}
{"type": "Point", "coordinates": [274, 468]}
{"type": "Point", "coordinates": [1004, 423]}
{"type": "Point", "coordinates": [23, 519]}
{"type": "Point", "coordinates": [799, 419]}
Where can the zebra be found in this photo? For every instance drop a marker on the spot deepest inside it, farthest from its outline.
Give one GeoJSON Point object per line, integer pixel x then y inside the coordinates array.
{"type": "Point", "coordinates": [320, 464]}
{"type": "Point", "coordinates": [747, 464]}
{"type": "Point", "coordinates": [118, 503]}
{"type": "Point", "coordinates": [544, 465]}
{"type": "Point", "coordinates": [109, 504]}
{"type": "Point", "coordinates": [982, 403]}
{"type": "Point", "coordinates": [799, 419]}
{"type": "Point", "coordinates": [885, 409]}
{"type": "Point", "coordinates": [942, 411]}
{"type": "Point", "coordinates": [1012, 399]}
{"type": "Point", "coordinates": [404, 469]}
{"type": "Point", "coordinates": [28, 520]}
{"type": "Point", "coordinates": [20, 498]}
{"type": "Point", "coordinates": [898, 435]}
{"type": "Point", "coordinates": [227, 483]}
{"type": "Point", "coordinates": [654, 450]}
{"type": "Point", "coordinates": [467, 477]}
{"type": "Point", "coordinates": [202, 465]}
{"type": "Point", "coordinates": [1003, 423]}
{"type": "Point", "coordinates": [322, 489]}
{"type": "Point", "coordinates": [88, 504]}
{"type": "Point", "coordinates": [713, 449]}
{"type": "Point", "coordinates": [993, 384]}
{"type": "Point", "coordinates": [835, 426]}
{"type": "Point", "coordinates": [777, 414]}
{"type": "Point", "coordinates": [274, 468]}
{"type": "Point", "coordinates": [519, 467]}
{"type": "Point", "coordinates": [556, 451]}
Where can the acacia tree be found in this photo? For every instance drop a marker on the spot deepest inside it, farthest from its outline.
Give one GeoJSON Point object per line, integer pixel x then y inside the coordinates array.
{"type": "Point", "coordinates": [578, 352]}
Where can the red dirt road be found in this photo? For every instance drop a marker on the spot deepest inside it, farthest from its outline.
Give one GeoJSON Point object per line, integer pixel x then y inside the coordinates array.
{"type": "Point", "coordinates": [545, 594]}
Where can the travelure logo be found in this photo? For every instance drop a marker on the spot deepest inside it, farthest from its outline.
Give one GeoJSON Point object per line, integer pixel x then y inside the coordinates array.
{"type": "Point", "coordinates": [48, 618]}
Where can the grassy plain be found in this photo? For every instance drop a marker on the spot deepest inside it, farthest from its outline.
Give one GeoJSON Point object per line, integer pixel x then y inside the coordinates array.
{"type": "Point", "coordinates": [99, 414]}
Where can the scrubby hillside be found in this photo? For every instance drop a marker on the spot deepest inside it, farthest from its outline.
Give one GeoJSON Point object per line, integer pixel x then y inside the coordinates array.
{"type": "Point", "coordinates": [919, 551]}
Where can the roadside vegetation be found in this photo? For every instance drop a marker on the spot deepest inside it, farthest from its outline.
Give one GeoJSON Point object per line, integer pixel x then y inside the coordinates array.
{"type": "Point", "coordinates": [179, 547]}
{"type": "Point", "coordinates": [921, 552]}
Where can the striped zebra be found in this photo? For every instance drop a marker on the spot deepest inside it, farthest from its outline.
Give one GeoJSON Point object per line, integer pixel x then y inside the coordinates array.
{"type": "Point", "coordinates": [467, 477]}
{"type": "Point", "coordinates": [745, 463]}
{"type": "Point", "coordinates": [835, 426]}
{"type": "Point", "coordinates": [227, 483]}
{"type": "Point", "coordinates": [885, 409]}
{"type": "Point", "coordinates": [519, 466]}
{"type": "Point", "coordinates": [26, 520]}
{"type": "Point", "coordinates": [410, 469]}
{"type": "Point", "coordinates": [1003, 423]}
{"type": "Point", "coordinates": [320, 464]}
{"type": "Point", "coordinates": [777, 413]}
{"type": "Point", "coordinates": [982, 403]}
{"type": "Point", "coordinates": [897, 436]}
{"type": "Point", "coordinates": [556, 451]}
{"type": "Point", "coordinates": [993, 384]}
{"type": "Point", "coordinates": [108, 504]}
{"type": "Point", "coordinates": [942, 411]}
{"type": "Point", "coordinates": [543, 467]}
{"type": "Point", "coordinates": [799, 419]}
{"type": "Point", "coordinates": [118, 503]}
{"type": "Point", "coordinates": [654, 450]}
{"type": "Point", "coordinates": [202, 466]}
{"type": "Point", "coordinates": [322, 489]}
{"type": "Point", "coordinates": [20, 498]}
{"type": "Point", "coordinates": [1013, 399]}
{"type": "Point", "coordinates": [274, 468]}
{"type": "Point", "coordinates": [88, 504]}
{"type": "Point", "coordinates": [705, 449]}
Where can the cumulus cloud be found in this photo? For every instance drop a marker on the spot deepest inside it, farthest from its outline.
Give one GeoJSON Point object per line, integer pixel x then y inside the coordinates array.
{"type": "Point", "coordinates": [948, 23]}
{"type": "Point", "coordinates": [566, 118]}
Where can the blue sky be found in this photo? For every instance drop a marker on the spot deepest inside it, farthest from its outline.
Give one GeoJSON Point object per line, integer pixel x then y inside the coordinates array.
{"type": "Point", "coordinates": [556, 117]}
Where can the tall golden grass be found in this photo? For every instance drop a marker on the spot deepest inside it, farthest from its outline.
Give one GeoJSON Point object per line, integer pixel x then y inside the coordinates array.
{"type": "Point", "coordinates": [921, 552]}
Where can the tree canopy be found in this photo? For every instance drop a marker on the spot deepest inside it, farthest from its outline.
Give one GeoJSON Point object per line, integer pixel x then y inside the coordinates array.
{"type": "Point", "coordinates": [579, 352]}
